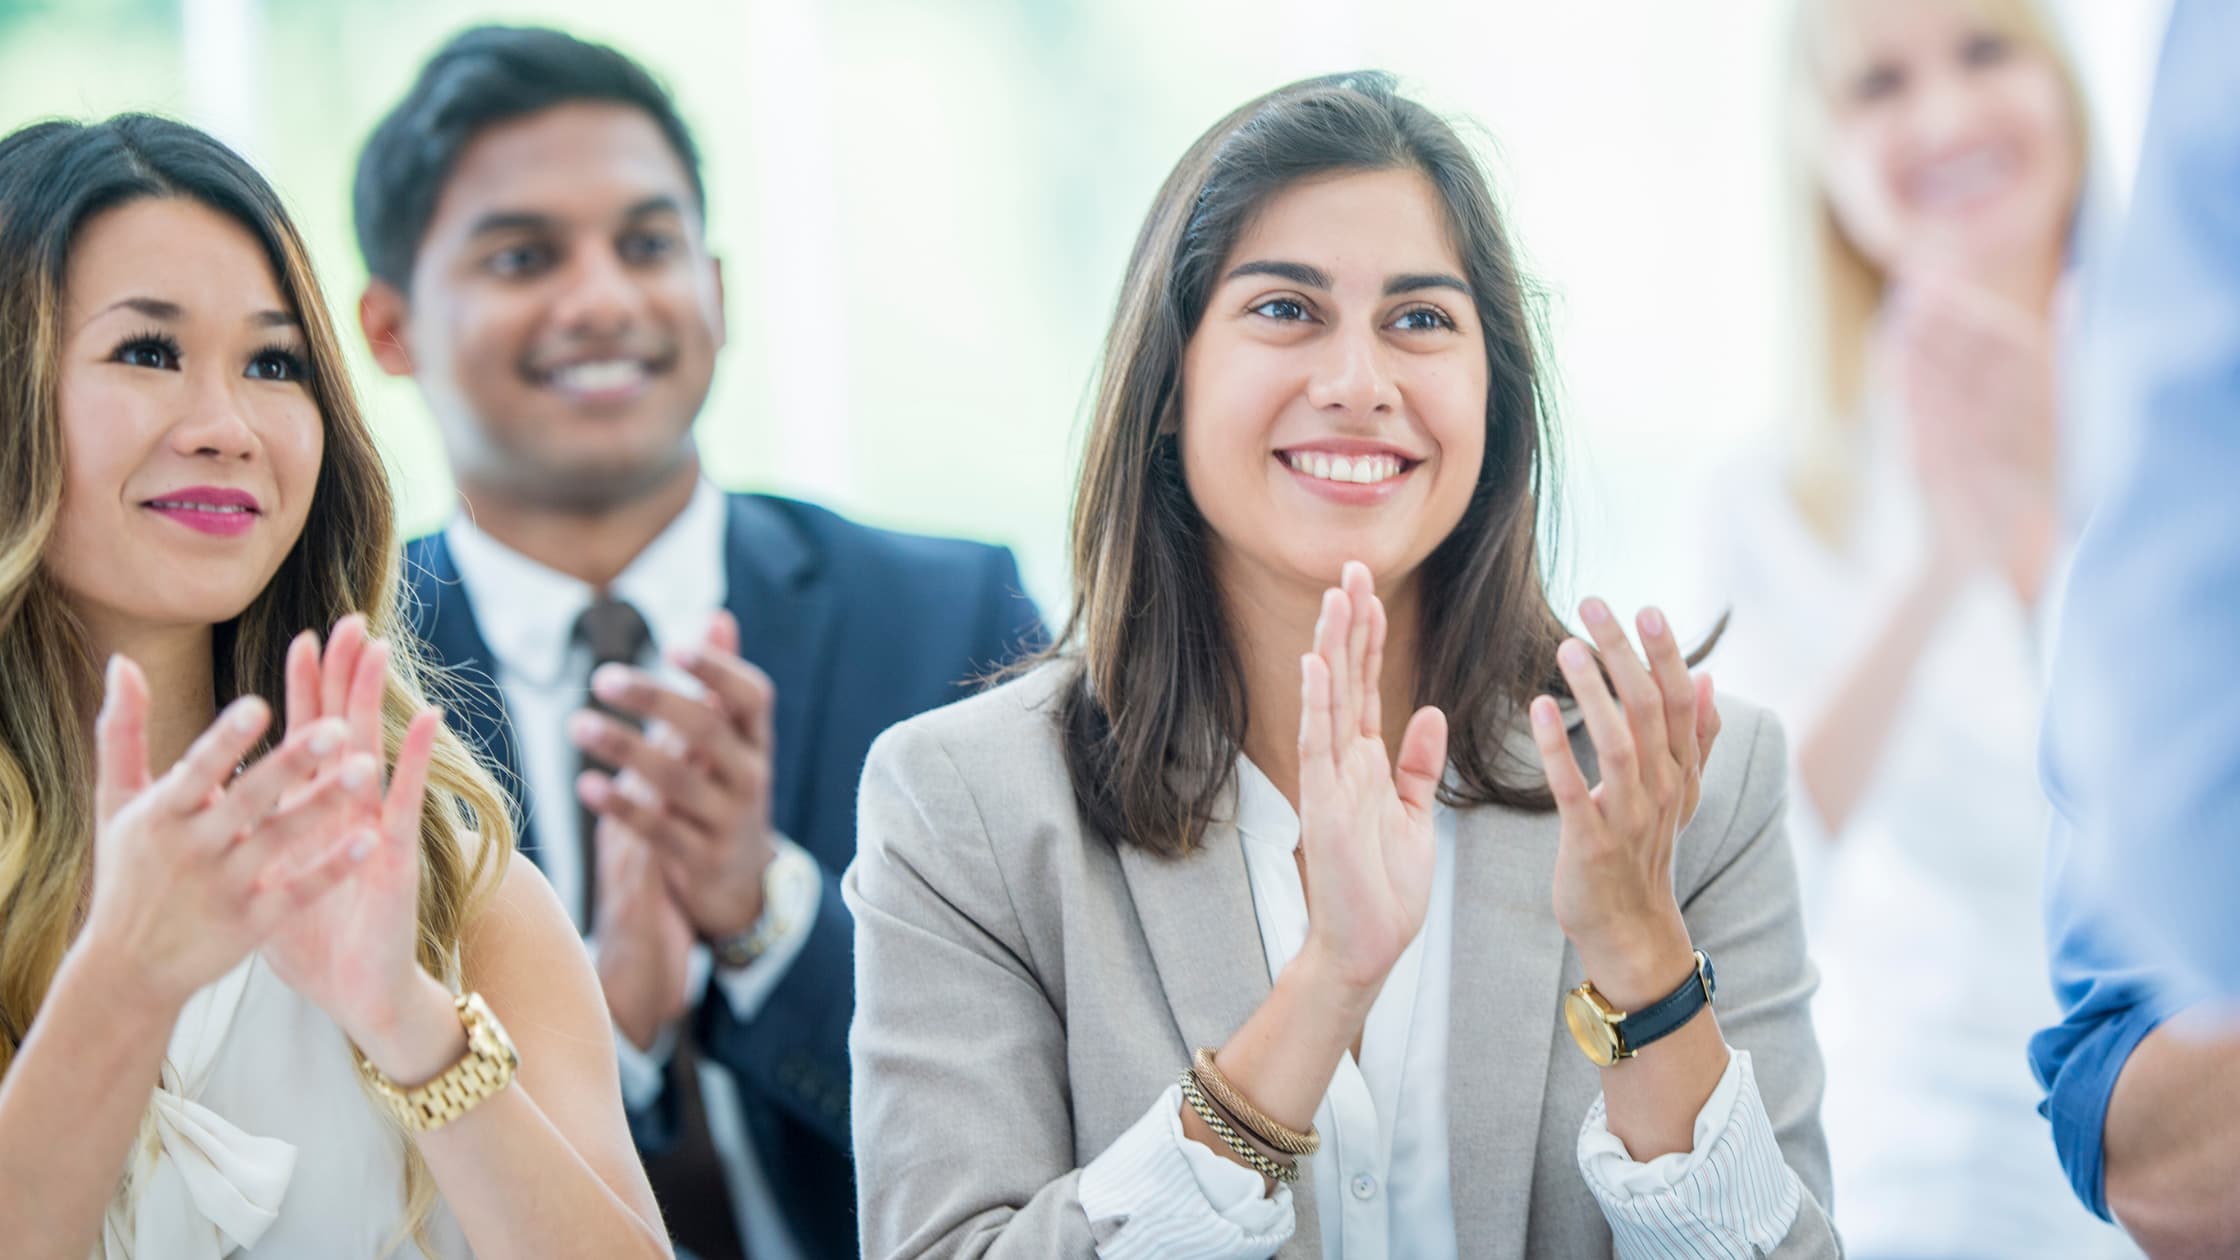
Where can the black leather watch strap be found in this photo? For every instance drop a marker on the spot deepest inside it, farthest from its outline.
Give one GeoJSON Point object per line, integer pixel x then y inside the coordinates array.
{"type": "Point", "coordinates": [1668, 1014]}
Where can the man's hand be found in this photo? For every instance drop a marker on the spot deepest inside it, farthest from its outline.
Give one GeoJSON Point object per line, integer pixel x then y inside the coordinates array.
{"type": "Point", "coordinates": [645, 943]}
{"type": "Point", "coordinates": [695, 784]}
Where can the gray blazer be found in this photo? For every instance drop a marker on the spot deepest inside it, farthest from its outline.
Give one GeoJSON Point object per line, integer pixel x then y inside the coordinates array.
{"type": "Point", "coordinates": [1025, 990]}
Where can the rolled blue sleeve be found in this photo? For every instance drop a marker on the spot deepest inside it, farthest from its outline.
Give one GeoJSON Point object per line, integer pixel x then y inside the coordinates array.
{"type": "Point", "coordinates": [2109, 1000]}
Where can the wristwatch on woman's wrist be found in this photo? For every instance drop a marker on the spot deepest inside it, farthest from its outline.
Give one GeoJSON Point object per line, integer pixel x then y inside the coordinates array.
{"type": "Point", "coordinates": [1606, 1035]}
{"type": "Point", "coordinates": [481, 1073]}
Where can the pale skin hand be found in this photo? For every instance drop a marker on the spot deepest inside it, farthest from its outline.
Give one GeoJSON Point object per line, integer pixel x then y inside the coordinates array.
{"type": "Point", "coordinates": [353, 954]}
{"type": "Point", "coordinates": [1367, 854]}
{"type": "Point", "coordinates": [195, 868]}
{"type": "Point", "coordinates": [695, 786]}
{"type": "Point", "coordinates": [1975, 377]}
{"type": "Point", "coordinates": [1614, 895]}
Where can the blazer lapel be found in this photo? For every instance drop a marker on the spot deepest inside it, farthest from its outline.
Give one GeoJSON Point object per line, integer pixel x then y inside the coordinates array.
{"type": "Point", "coordinates": [1204, 936]}
{"type": "Point", "coordinates": [1508, 961]}
{"type": "Point", "coordinates": [784, 608]}
{"type": "Point", "coordinates": [475, 708]}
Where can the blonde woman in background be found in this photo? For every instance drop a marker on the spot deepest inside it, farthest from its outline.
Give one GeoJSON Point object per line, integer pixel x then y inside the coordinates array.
{"type": "Point", "coordinates": [228, 952]}
{"type": "Point", "coordinates": [1889, 582]}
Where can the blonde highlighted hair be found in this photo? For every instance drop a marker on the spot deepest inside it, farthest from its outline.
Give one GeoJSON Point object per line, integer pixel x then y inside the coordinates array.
{"type": "Point", "coordinates": [1839, 288]}
{"type": "Point", "coordinates": [54, 178]}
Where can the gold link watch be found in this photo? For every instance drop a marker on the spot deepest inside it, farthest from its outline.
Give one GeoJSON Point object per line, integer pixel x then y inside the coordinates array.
{"type": "Point", "coordinates": [484, 1071]}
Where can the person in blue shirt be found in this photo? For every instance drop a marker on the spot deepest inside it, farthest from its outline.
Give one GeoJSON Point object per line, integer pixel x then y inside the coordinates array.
{"type": "Point", "coordinates": [2141, 752]}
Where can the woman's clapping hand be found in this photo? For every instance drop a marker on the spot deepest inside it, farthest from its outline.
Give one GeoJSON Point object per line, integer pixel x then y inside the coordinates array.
{"type": "Point", "coordinates": [193, 868]}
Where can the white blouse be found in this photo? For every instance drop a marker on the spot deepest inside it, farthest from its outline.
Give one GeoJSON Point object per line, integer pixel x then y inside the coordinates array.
{"type": "Point", "coordinates": [1380, 1180]}
{"type": "Point", "coordinates": [260, 1140]}
{"type": "Point", "coordinates": [1923, 912]}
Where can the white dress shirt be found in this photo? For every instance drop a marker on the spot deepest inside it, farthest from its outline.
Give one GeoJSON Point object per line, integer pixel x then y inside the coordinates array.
{"type": "Point", "coordinates": [527, 614]}
{"type": "Point", "coordinates": [1381, 1186]}
{"type": "Point", "coordinates": [1923, 912]}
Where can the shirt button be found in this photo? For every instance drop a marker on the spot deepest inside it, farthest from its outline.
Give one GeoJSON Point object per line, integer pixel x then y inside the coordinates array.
{"type": "Point", "coordinates": [1364, 1187]}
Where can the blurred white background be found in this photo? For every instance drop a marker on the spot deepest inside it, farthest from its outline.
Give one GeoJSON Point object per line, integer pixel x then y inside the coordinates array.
{"type": "Point", "coordinates": [924, 206]}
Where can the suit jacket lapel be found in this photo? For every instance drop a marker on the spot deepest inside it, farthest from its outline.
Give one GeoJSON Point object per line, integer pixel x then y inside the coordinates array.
{"type": "Point", "coordinates": [1204, 935]}
{"type": "Point", "coordinates": [784, 608]}
{"type": "Point", "coordinates": [1508, 961]}
{"type": "Point", "coordinates": [474, 706]}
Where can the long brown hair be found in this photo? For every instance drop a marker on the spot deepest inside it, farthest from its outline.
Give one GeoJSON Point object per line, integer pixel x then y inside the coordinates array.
{"type": "Point", "coordinates": [1156, 713]}
{"type": "Point", "coordinates": [54, 178]}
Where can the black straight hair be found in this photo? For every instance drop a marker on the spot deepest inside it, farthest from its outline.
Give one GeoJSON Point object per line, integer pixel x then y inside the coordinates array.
{"type": "Point", "coordinates": [485, 76]}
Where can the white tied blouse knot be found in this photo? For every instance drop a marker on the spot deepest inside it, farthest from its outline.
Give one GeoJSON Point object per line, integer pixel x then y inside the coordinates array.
{"type": "Point", "coordinates": [197, 1186]}
{"type": "Point", "coordinates": [259, 1140]}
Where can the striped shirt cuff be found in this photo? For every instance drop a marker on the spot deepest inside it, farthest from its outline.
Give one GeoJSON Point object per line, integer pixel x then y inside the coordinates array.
{"type": "Point", "coordinates": [1156, 1195]}
{"type": "Point", "coordinates": [1731, 1196]}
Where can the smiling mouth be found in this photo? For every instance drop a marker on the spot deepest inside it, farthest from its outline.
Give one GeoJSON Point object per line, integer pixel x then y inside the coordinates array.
{"type": "Point", "coordinates": [214, 509]}
{"type": "Point", "coordinates": [1358, 470]}
{"type": "Point", "coordinates": [601, 378]}
{"type": "Point", "coordinates": [1968, 179]}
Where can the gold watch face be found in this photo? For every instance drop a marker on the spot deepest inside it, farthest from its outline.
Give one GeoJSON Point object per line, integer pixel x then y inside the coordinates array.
{"type": "Point", "coordinates": [1597, 1039]}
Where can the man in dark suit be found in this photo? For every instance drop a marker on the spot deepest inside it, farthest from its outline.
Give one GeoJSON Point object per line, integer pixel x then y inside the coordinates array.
{"type": "Point", "coordinates": [681, 684]}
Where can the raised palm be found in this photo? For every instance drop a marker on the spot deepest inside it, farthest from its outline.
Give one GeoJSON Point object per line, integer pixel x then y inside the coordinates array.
{"type": "Point", "coordinates": [353, 951]}
{"type": "Point", "coordinates": [1365, 826]}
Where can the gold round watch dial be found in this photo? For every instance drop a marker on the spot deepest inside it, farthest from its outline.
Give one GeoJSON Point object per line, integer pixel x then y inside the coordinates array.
{"type": "Point", "coordinates": [1596, 1038]}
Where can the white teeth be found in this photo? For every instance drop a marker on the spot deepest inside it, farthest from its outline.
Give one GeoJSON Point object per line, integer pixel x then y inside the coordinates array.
{"type": "Point", "coordinates": [1360, 470]}
{"type": "Point", "coordinates": [599, 375]}
{"type": "Point", "coordinates": [197, 507]}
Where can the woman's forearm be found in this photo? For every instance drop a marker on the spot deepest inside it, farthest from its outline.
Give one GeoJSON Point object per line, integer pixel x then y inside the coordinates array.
{"type": "Point", "coordinates": [1283, 1057]}
{"type": "Point", "coordinates": [1843, 743]}
{"type": "Point", "coordinates": [1652, 1100]}
{"type": "Point", "coordinates": [510, 1176]}
{"type": "Point", "coordinates": [72, 1102]}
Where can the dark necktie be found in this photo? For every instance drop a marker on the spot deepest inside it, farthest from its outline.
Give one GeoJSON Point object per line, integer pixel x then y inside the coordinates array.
{"type": "Point", "coordinates": [616, 634]}
{"type": "Point", "coordinates": [688, 1179]}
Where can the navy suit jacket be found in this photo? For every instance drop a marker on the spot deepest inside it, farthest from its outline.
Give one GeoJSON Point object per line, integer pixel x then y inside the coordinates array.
{"type": "Point", "coordinates": [858, 628]}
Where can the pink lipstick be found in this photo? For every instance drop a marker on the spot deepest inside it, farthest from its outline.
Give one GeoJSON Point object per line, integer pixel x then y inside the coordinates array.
{"type": "Point", "coordinates": [218, 510]}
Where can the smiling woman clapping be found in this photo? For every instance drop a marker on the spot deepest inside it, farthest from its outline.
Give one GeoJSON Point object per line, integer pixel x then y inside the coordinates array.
{"type": "Point", "coordinates": [269, 984]}
{"type": "Point", "coordinates": [1265, 915]}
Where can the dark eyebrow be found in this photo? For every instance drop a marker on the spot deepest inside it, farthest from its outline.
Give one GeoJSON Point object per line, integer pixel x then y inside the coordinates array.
{"type": "Point", "coordinates": [153, 308]}
{"type": "Point", "coordinates": [530, 221]}
{"type": "Point", "coordinates": [662, 204]}
{"type": "Point", "coordinates": [1296, 273]}
{"type": "Point", "coordinates": [275, 319]}
{"type": "Point", "coordinates": [1398, 285]}
{"type": "Point", "coordinates": [510, 221]}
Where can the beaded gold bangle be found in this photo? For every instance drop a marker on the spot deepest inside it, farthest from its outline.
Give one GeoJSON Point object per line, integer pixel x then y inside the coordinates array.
{"type": "Point", "coordinates": [1270, 1131]}
{"type": "Point", "coordinates": [1246, 1151]}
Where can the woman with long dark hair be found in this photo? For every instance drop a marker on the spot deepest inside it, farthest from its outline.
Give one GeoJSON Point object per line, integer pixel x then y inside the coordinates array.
{"type": "Point", "coordinates": [257, 977]}
{"type": "Point", "coordinates": [1192, 941]}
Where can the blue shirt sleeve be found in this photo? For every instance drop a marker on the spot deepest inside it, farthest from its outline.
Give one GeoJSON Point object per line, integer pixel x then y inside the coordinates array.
{"type": "Point", "coordinates": [2143, 720]}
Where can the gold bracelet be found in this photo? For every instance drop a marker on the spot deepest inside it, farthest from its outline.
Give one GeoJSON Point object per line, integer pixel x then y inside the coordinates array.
{"type": "Point", "coordinates": [1276, 1134]}
{"type": "Point", "coordinates": [1244, 1132]}
{"type": "Point", "coordinates": [1285, 1173]}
